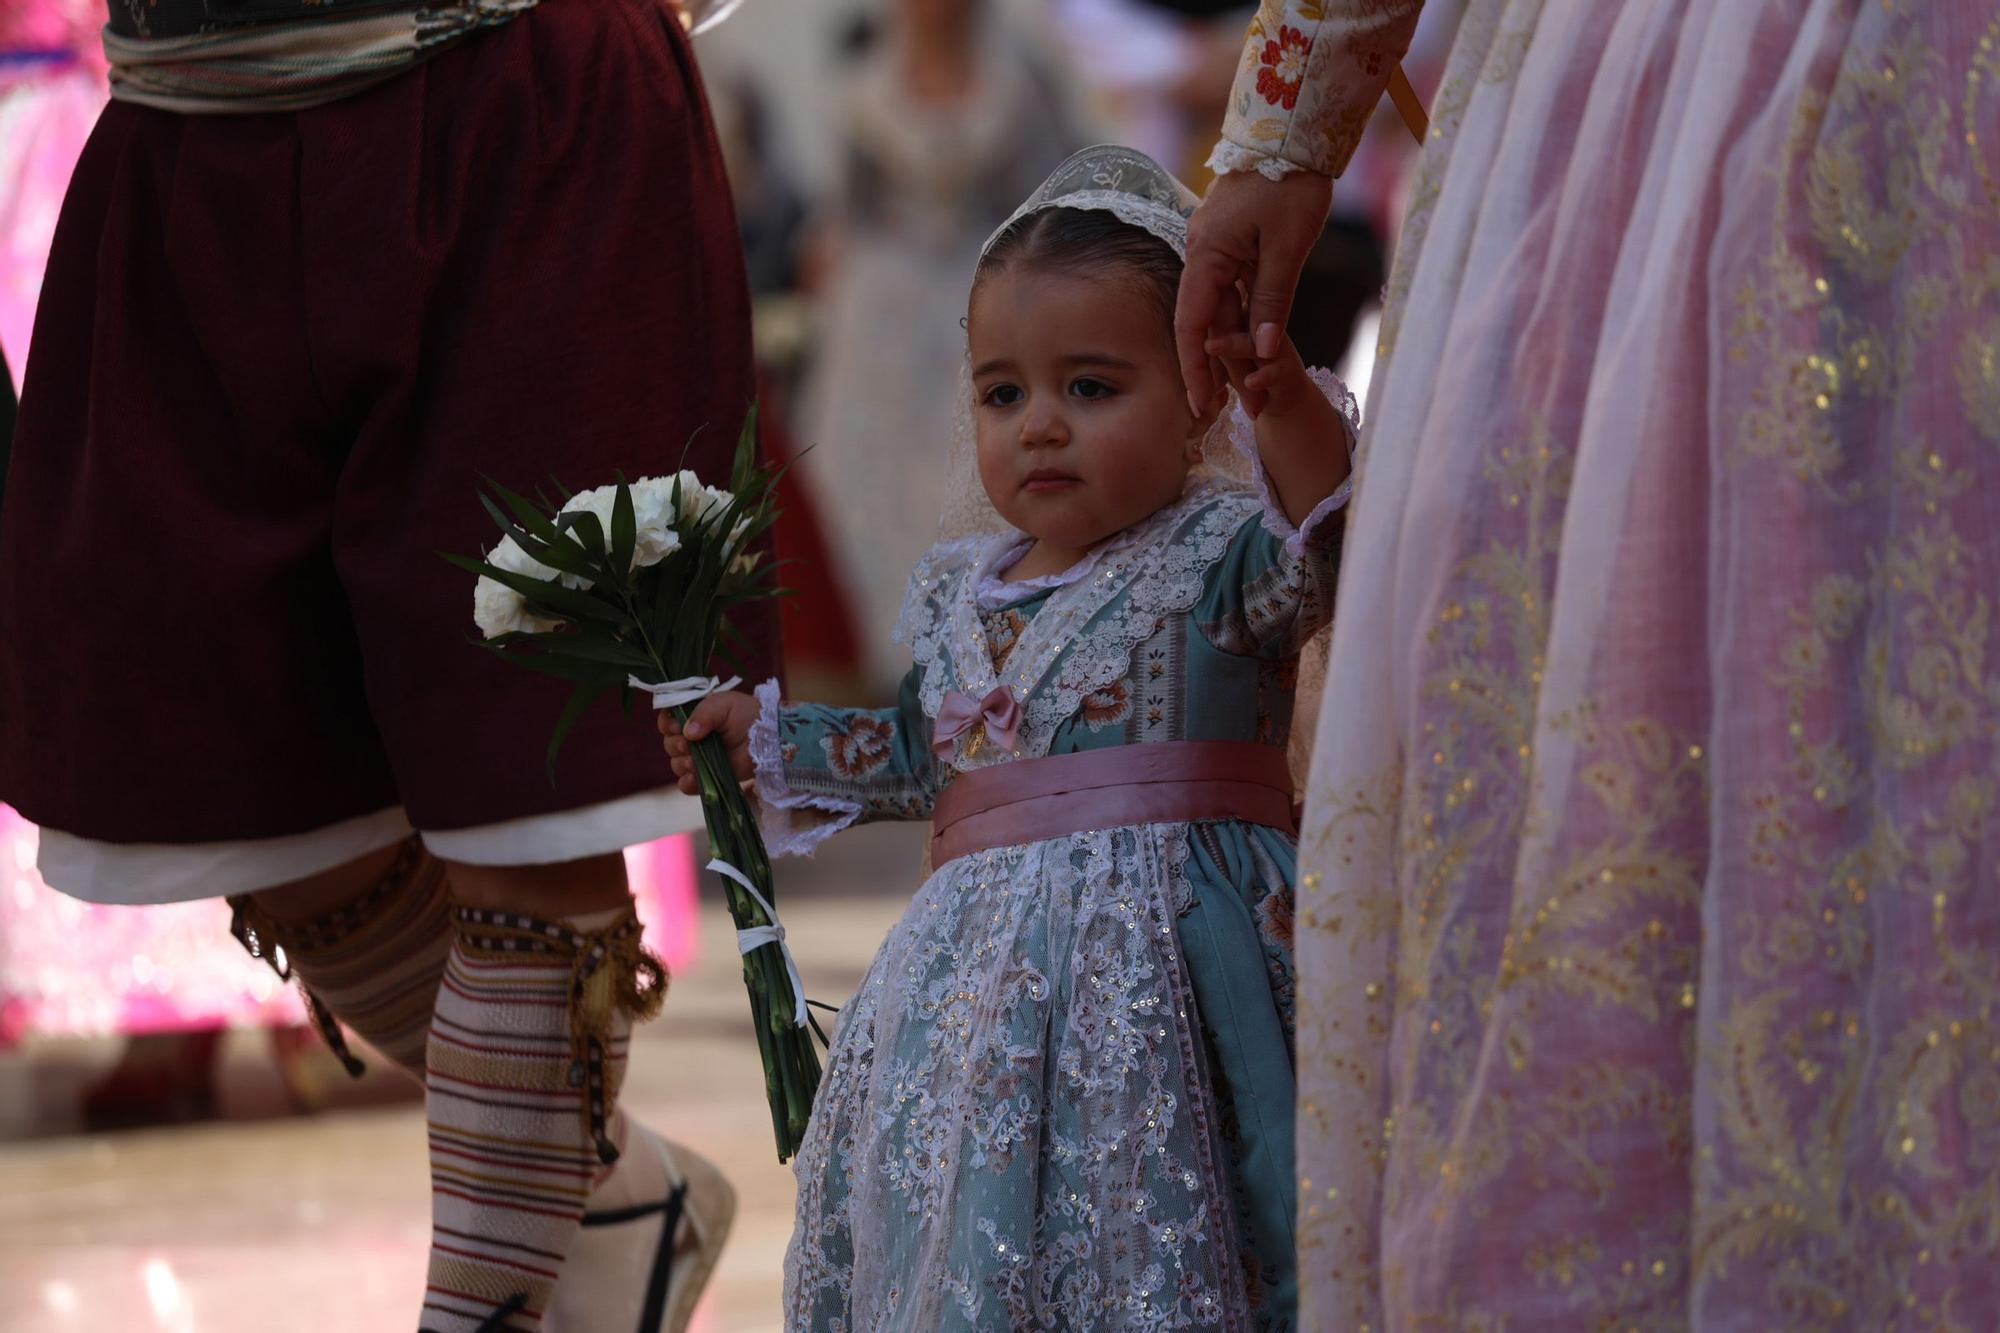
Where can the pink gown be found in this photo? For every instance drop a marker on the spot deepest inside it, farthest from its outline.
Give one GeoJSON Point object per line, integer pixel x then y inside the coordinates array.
{"type": "Point", "coordinates": [1649, 928]}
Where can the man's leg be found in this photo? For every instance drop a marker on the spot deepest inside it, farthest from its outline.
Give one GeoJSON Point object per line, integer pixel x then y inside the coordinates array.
{"type": "Point", "coordinates": [526, 1056]}
{"type": "Point", "coordinates": [367, 942]}
{"type": "Point", "coordinates": [481, 994]}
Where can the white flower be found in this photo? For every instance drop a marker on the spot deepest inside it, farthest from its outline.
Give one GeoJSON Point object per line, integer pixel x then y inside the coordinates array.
{"type": "Point", "coordinates": [700, 500]}
{"type": "Point", "coordinates": [654, 538]}
{"type": "Point", "coordinates": [655, 519]}
{"type": "Point", "coordinates": [498, 609]}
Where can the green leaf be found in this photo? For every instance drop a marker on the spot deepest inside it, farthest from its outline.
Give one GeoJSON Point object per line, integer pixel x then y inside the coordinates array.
{"type": "Point", "coordinates": [546, 594]}
{"type": "Point", "coordinates": [579, 699]}
{"type": "Point", "coordinates": [588, 648]}
{"type": "Point", "coordinates": [541, 523]}
{"type": "Point", "coordinates": [575, 671]}
{"type": "Point", "coordinates": [586, 530]}
{"type": "Point", "coordinates": [746, 453]}
{"type": "Point", "coordinates": [624, 528]}
{"type": "Point", "coordinates": [562, 554]}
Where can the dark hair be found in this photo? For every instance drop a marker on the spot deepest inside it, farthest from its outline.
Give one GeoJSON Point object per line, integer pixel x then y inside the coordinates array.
{"type": "Point", "coordinates": [1087, 240]}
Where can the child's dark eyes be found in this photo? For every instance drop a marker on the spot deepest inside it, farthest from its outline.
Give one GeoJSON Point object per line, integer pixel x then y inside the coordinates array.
{"type": "Point", "coordinates": [1086, 387]}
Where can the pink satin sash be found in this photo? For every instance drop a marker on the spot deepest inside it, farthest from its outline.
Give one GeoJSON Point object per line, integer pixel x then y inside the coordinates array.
{"type": "Point", "coordinates": [1166, 783]}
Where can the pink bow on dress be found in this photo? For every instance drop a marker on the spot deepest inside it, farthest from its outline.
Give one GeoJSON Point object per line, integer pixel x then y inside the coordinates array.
{"type": "Point", "coordinates": [999, 711]}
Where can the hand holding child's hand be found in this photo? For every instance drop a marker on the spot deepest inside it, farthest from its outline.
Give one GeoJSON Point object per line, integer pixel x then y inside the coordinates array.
{"type": "Point", "coordinates": [1276, 385]}
{"type": "Point", "coordinates": [726, 715]}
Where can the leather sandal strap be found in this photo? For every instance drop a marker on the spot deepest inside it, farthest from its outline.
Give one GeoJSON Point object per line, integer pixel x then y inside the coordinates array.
{"type": "Point", "coordinates": [613, 1216]}
{"type": "Point", "coordinates": [659, 1281]}
{"type": "Point", "coordinates": [662, 1276]}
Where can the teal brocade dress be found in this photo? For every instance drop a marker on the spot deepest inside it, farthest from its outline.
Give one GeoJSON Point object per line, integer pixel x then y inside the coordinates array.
{"type": "Point", "coordinates": [1062, 1098]}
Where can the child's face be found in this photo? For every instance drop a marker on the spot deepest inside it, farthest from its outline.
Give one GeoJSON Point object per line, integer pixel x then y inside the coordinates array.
{"type": "Point", "coordinates": [1083, 424]}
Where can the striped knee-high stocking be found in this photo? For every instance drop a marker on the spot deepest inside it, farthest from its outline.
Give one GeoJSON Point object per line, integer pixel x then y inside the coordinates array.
{"type": "Point", "coordinates": [373, 964]}
{"type": "Point", "coordinates": [526, 1054]}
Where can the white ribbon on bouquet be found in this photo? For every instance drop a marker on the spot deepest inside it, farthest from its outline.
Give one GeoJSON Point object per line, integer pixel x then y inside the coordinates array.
{"type": "Point", "coordinates": [683, 692]}
{"type": "Point", "coordinates": [755, 937]}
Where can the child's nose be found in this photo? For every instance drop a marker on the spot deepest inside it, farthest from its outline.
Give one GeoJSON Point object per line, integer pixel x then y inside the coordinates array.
{"type": "Point", "coordinates": [1043, 427]}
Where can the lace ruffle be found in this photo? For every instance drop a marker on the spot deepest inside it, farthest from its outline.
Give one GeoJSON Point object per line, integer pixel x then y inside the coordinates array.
{"type": "Point", "coordinates": [1242, 436]}
{"type": "Point", "coordinates": [1229, 157]}
{"type": "Point", "coordinates": [794, 823]}
{"type": "Point", "coordinates": [1087, 633]}
{"type": "Point", "coordinates": [995, 592]}
{"type": "Point", "coordinates": [921, 601]}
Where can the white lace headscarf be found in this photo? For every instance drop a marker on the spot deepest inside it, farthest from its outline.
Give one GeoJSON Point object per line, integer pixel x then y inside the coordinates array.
{"type": "Point", "coordinates": [1139, 191]}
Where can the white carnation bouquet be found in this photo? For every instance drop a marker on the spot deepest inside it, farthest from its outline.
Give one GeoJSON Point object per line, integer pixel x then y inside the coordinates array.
{"type": "Point", "coordinates": [627, 587]}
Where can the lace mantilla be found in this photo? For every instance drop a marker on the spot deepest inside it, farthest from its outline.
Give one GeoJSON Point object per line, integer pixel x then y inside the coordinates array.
{"type": "Point", "coordinates": [1120, 181]}
{"type": "Point", "coordinates": [1083, 640]}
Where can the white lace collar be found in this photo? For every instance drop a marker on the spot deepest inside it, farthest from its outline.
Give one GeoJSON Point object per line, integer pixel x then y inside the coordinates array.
{"type": "Point", "coordinates": [1083, 639]}
{"type": "Point", "coordinates": [995, 592]}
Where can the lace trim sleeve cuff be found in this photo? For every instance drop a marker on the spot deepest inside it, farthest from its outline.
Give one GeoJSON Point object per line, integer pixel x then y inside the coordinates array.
{"type": "Point", "coordinates": [1230, 156]}
{"type": "Point", "coordinates": [1243, 436]}
{"type": "Point", "coordinates": [794, 823]}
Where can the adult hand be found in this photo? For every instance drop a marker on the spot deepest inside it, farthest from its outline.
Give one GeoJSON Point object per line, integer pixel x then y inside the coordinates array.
{"type": "Point", "coordinates": [1256, 231]}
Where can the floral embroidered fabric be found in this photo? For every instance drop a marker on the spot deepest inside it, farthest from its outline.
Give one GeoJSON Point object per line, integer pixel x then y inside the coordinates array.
{"type": "Point", "coordinates": [1311, 76]}
{"type": "Point", "coordinates": [1649, 924]}
{"type": "Point", "coordinates": [1062, 1096]}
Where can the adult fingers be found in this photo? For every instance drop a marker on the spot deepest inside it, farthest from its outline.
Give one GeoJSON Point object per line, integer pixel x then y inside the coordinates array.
{"type": "Point", "coordinates": [1207, 276]}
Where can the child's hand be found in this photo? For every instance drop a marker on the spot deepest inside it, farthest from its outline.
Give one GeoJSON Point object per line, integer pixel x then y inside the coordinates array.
{"type": "Point", "coordinates": [1301, 437]}
{"type": "Point", "coordinates": [726, 715]}
{"type": "Point", "coordinates": [1276, 384]}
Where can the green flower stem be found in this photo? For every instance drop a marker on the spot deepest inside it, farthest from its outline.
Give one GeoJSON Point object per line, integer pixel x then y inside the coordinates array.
{"type": "Point", "coordinates": [791, 1064]}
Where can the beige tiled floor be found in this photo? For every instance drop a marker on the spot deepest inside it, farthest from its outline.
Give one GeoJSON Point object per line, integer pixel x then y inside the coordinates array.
{"type": "Point", "coordinates": [319, 1222]}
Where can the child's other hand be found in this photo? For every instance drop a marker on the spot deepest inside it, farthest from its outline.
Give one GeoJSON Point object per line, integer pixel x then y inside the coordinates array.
{"type": "Point", "coordinates": [1269, 385]}
{"type": "Point", "coordinates": [728, 716]}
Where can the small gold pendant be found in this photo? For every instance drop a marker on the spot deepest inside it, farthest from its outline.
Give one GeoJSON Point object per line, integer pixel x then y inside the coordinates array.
{"type": "Point", "coordinates": [975, 742]}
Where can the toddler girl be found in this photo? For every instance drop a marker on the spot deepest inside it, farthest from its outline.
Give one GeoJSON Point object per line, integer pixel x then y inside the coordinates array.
{"type": "Point", "coordinates": [1062, 1098]}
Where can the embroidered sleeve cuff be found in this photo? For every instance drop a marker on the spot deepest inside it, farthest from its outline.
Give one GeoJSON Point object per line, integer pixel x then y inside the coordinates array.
{"type": "Point", "coordinates": [794, 823]}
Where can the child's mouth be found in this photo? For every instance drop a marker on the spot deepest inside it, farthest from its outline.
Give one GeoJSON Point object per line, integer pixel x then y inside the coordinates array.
{"type": "Point", "coordinates": [1042, 482]}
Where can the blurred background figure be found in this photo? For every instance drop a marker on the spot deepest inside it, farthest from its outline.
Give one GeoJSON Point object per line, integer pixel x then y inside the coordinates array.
{"type": "Point", "coordinates": [51, 88]}
{"type": "Point", "coordinates": [1156, 71]}
{"type": "Point", "coordinates": [773, 212]}
{"type": "Point", "coordinates": [947, 120]}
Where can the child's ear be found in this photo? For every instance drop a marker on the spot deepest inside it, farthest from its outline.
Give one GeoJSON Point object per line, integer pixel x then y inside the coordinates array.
{"type": "Point", "coordinates": [1199, 427]}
